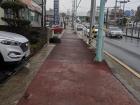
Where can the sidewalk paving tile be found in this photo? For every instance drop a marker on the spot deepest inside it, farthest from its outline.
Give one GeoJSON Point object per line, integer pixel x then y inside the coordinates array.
{"type": "Point", "coordinates": [69, 76]}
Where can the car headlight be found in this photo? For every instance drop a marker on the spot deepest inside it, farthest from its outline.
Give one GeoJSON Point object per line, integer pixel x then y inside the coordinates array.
{"type": "Point", "coordinates": [10, 42]}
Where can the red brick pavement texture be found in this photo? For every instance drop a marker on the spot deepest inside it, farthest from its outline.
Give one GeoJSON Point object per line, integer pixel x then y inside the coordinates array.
{"type": "Point", "coordinates": [69, 76]}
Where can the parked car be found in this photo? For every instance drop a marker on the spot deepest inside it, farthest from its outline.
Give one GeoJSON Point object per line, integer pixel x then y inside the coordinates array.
{"type": "Point", "coordinates": [13, 47]}
{"type": "Point", "coordinates": [57, 29]}
{"type": "Point", "coordinates": [115, 32]}
{"type": "Point", "coordinates": [79, 27]}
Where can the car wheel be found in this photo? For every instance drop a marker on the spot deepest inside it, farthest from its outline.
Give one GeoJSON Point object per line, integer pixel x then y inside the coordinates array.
{"type": "Point", "coordinates": [1, 60]}
{"type": "Point", "coordinates": [119, 37]}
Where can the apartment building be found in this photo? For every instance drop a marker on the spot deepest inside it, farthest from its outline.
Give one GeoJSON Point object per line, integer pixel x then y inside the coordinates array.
{"type": "Point", "coordinates": [32, 11]}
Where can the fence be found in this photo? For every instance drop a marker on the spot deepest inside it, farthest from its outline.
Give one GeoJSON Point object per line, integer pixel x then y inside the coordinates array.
{"type": "Point", "coordinates": [133, 32]}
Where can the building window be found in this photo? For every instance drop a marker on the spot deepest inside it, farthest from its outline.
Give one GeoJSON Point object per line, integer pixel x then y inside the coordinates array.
{"type": "Point", "coordinates": [9, 13]}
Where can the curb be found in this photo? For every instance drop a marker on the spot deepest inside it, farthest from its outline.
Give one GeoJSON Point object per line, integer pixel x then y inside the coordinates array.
{"type": "Point", "coordinates": [124, 65]}
{"type": "Point", "coordinates": [25, 79]}
{"type": "Point", "coordinates": [121, 63]}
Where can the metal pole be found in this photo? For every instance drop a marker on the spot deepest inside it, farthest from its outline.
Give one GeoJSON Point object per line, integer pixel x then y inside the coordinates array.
{"type": "Point", "coordinates": [99, 40]}
{"type": "Point", "coordinates": [45, 13]}
{"type": "Point", "coordinates": [42, 20]}
{"type": "Point", "coordinates": [123, 8]}
{"type": "Point", "coordinates": [75, 29]}
{"type": "Point", "coordinates": [92, 18]}
{"type": "Point", "coordinates": [107, 17]}
{"type": "Point", "coordinates": [73, 6]}
{"type": "Point", "coordinates": [115, 9]}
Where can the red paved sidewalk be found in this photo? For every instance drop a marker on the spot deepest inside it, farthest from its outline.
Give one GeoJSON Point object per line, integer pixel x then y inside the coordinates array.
{"type": "Point", "coordinates": [71, 77]}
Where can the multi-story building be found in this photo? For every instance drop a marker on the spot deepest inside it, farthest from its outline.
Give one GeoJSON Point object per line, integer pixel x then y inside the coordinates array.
{"type": "Point", "coordinates": [32, 11]}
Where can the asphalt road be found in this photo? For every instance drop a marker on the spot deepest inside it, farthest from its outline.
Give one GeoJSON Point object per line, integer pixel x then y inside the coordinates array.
{"type": "Point", "coordinates": [127, 50]}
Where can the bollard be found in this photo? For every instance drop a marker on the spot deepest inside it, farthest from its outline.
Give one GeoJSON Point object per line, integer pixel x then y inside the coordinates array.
{"type": "Point", "coordinates": [126, 31]}
{"type": "Point", "coordinates": [132, 32]}
{"type": "Point", "coordinates": [138, 34]}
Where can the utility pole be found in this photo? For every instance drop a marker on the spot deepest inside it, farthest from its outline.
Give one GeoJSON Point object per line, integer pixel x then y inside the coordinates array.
{"type": "Point", "coordinates": [45, 13]}
{"type": "Point", "coordinates": [124, 8]}
{"type": "Point", "coordinates": [73, 6]}
{"type": "Point", "coordinates": [42, 20]}
{"type": "Point", "coordinates": [115, 9]}
{"type": "Point", "coordinates": [107, 17]}
{"type": "Point", "coordinates": [92, 18]}
{"type": "Point", "coordinates": [99, 40]}
{"type": "Point", "coordinates": [75, 12]}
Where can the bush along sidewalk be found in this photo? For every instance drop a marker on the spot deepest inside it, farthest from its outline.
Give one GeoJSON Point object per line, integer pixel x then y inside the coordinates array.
{"type": "Point", "coordinates": [38, 38]}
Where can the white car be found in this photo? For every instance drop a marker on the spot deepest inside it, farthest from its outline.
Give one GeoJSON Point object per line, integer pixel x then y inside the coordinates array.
{"type": "Point", "coordinates": [115, 32]}
{"type": "Point", "coordinates": [79, 27]}
{"type": "Point", "coordinates": [13, 47]}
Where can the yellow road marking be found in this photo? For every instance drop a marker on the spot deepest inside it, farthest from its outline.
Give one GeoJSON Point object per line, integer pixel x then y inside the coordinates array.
{"type": "Point", "coordinates": [124, 65]}
{"type": "Point", "coordinates": [121, 63]}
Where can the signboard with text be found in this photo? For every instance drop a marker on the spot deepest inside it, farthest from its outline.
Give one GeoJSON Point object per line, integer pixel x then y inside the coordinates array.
{"type": "Point", "coordinates": [56, 12]}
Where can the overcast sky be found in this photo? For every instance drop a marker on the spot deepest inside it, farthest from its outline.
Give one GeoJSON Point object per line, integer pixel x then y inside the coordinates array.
{"type": "Point", "coordinates": [85, 4]}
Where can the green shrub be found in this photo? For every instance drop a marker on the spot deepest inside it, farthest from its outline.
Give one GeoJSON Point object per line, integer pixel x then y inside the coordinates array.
{"type": "Point", "coordinates": [33, 37]}
{"type": "Point", "coordinates": [16, 22]}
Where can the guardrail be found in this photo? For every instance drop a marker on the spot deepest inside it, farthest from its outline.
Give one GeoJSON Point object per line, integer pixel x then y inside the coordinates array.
{"type": "Point", "coordinates": [133, 32]}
